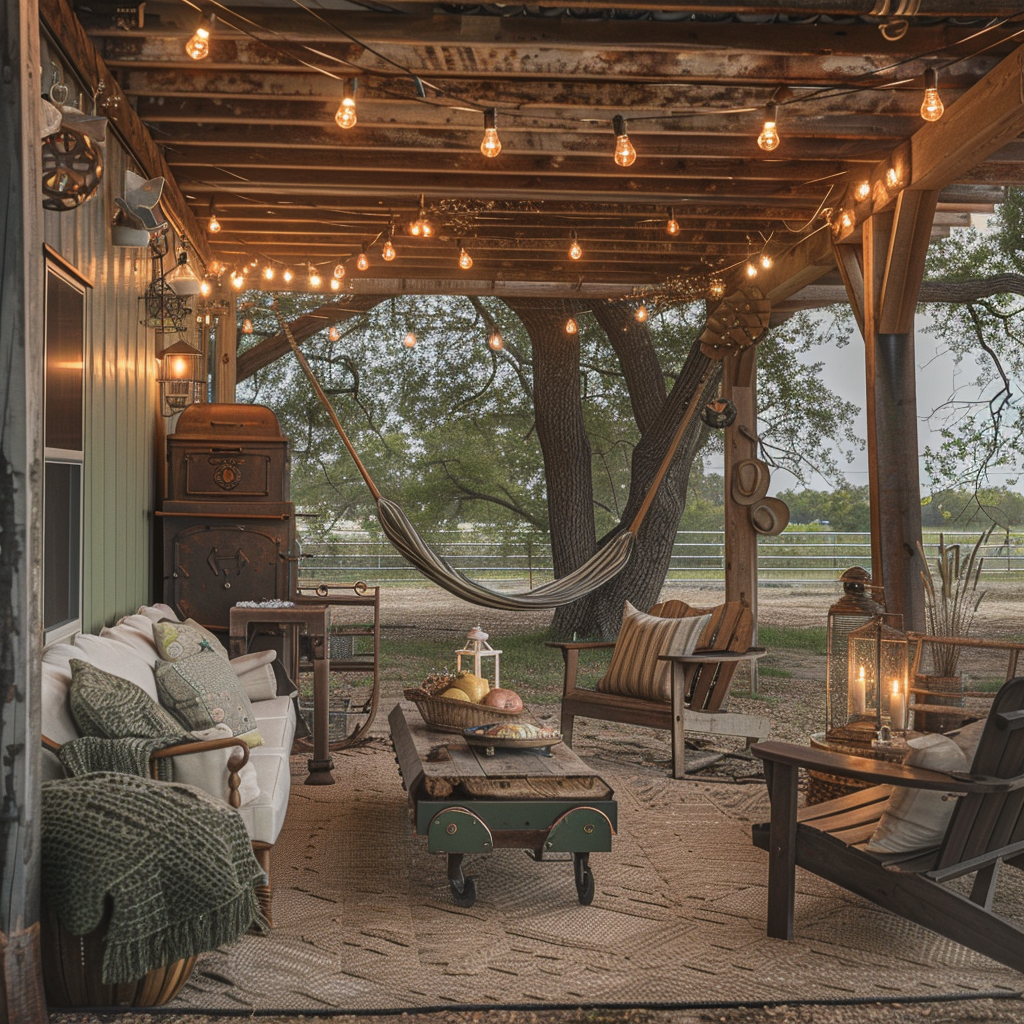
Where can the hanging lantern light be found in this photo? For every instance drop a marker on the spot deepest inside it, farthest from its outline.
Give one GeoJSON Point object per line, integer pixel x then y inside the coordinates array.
{"type": "Point", "coordinates": [180, 377]}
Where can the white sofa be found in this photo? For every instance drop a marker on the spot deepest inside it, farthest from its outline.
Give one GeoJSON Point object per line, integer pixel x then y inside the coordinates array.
{"type": "Point", "coordinates": [129, 651]}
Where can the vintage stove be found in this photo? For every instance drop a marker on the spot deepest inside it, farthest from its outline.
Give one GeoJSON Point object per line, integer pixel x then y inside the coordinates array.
{"type": "Point", "coordinates": [228, 526]}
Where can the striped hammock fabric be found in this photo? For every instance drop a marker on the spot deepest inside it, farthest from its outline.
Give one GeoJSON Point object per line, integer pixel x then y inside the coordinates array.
{"type": "Point", "coordinates": [604, 565]}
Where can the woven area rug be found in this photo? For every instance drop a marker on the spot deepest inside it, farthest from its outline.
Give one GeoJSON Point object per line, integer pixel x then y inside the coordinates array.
{"type": "Point", "coordinates": [364, 920]}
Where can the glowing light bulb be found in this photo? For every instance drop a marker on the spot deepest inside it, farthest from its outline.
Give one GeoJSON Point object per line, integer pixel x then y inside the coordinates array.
{"type": "Point", "coordinates": [362, 260]}
{"type": "Point", "coordinates": [465, 260]}
{"type": "Point", "coordinates": [751, 270]}
{"type": "Point", "coordinates": [625, 154]}
{"type": "Point", "coordinates": [571, 327]}
{"type": "Point", "coordinates": [346, 114]}
{"type": "Point", "coordinates": [388, 252]}
{"type": "Point", "coordinates": [238, 281]}
{"type": "Point", "coordinates": [179, 368]}
{"type": "Point", "coordinates": [213, 226]}
{"type": "Point", "coordinates": [205, 288]}
{"type": "Point", "coordinates": [247, 326]}
{"type": "Point", "coordinates": [931, 106]}
{"type": "Point", "coordinates": [287, 275]}
{"type": "Point", "coordinates": [313, 278]}
{"type": "Point", "coordinates": [766, 261]}
{"type": "Point", "coordinates": [892, 178]}
{"type": "Point", "coordinates": [198, 47]}
{"type": "Point", "coordinates": [335, 284]}
{"type": "Point", "coordinates": [769, 137]}
{"type": "Point", "coordinates": [334, 334]}
{"type": "Point", "coordinates": [575, 252]}
{"type": "Point", "coordinates": [409, 341]}
{"type": "Point", "coordinates": [494, 342]}
{"type": "Point", "coordinates": [672, 226]}
{"type": "Point", "coordinates": [862, 191]}
{"type": "Point", "coordinates": [641, 314]}
{"type": "Point", "coordinates": [415, 228]}
{"type": "Point", "coordinates": [846, 220]}
{"type": "Point", "coordinates": [491, 144]}
{"type": "Point", "coordinates": [268, 273]}
{"type": "Point", "coordinates": [716, 289]}
{"type": "Point", "coordinates": [339, 271]}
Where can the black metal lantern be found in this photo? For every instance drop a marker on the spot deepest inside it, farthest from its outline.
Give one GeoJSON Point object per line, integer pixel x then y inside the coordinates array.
{"type": "Point", "coordinates": [719, 413]}
{"type": "Point", "coordinates": [181, 377]}
{"type": "Point", "coordinates": [72, 169]}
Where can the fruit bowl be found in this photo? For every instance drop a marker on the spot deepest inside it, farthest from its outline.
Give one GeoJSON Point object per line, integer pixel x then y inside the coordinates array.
{"type": "Point", "coordinates": [447, 715]}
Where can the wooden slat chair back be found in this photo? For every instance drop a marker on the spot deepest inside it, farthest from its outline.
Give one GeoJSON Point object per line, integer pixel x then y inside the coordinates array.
{"type": "Point", "coordinates": [985, 831]}
{"type": "Point", "coordinates": [703, 691]}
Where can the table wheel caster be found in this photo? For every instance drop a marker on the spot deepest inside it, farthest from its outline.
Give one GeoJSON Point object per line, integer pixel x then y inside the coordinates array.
{"type": "Point", "coordinates": [584, 878]}
{"type": "Point", "coordinates": [463, 889]}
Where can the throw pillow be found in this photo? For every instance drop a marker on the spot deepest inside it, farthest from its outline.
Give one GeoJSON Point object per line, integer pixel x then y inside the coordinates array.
{"type": "Point", "coordinates": [916, 819]}
{"type": "Point", "coordinates": [202, 690]}
{"type": "Point", "coordinates": [176, 640]}
{"type": "Point", "coordinates": [215, 641]}
{"type": "Point", "coordinates": [635, 669]}
{"type": "Point", "coordinates": [255, 672]}
{"type": "Point", "coordinates": [105, 705]}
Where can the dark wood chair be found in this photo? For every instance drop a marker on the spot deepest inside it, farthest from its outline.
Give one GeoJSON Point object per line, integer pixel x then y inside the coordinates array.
{"type": "Point", "coordinates": [985, 831]}
{"type": "Point", "coordinates": [700, 683]}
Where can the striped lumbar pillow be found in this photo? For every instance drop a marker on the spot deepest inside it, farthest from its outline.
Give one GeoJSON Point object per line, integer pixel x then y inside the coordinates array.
{"type": "Point", "coordinates": [635, 670]}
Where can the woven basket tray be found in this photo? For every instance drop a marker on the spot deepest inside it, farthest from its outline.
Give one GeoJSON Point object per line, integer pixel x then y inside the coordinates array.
{"type": "Point", "coordinates": [447, 715]}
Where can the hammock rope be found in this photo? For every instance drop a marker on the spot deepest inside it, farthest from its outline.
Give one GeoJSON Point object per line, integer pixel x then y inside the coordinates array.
{"type": "Point", "coordinates": [604, 565]}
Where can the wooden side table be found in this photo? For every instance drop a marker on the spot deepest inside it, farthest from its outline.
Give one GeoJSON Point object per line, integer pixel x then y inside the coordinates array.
{"type": "Point", "coordinates": [313, 621]}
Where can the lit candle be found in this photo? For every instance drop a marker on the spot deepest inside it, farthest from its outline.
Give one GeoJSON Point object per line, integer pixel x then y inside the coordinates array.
{"type": "Point", "coordinates": [858, 694]}
{"type": "Point", "coordinates": [897, 708]}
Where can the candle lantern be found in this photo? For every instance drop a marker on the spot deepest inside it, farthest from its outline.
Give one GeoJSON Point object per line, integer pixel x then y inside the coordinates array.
{"type": "Point", "coordinates": [854, 609]}
{"type": "Point", "coordinates": [877, 675]}
{"type": "Point", "coordinates": [478, 648]}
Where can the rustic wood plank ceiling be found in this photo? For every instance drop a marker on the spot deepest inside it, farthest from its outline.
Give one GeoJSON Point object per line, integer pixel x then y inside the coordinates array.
{"type": "Point", "coordinates": [250, 130]}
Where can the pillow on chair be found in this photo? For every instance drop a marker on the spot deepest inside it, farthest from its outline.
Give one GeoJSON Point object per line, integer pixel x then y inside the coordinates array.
{"type": "Point", "coordinates": [635, 670]}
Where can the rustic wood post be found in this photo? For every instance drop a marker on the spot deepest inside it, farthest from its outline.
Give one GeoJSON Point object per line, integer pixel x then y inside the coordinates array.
{"type": "Point", "coordinates": [739, 383]}
{"type": "Point", "coordinates": [226, 352]}
{"type": "Point", "coordinates": [21, 463]}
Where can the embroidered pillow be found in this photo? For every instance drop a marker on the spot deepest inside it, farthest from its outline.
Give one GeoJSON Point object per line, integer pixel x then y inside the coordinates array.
{"type": "Point", "coordinates": [215, 641]}
{"type": "Point", "coordinates": [107, 706]}
{"type": "Point", "coordinates": [916, 819]}
{"type": "Point", "coordinates": [635, 670]}
{"type": "Point", "coordinates": [201, 690]}
{"type": "Point", "coordinates": [177, 640]}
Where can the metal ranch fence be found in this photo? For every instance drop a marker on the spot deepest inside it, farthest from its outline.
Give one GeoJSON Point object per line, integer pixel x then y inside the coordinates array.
{"type": "Point", "coordinates": [795, 556]}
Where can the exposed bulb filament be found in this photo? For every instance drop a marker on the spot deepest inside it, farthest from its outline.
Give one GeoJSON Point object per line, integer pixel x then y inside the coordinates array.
{"type": "Point", "coordinates": [625, 153]}
{"type": "Point", "coordinates": [388, 252]}
{"type": "Point", "coordinates": [465, 260]}
{"type": "Point", "coordinates": [575, 252]}
{"type": "Point", "coordinates": [491, 144]}
{"type": "Point", "coordinates": [769, 137]}
{"type": "Point", "coordinates": [198, 47]}
{"type": "Point", "coordinates": [362, 260]}
{"type": "Point", "coordinates": [932, 107]}
{"type": "Point", "coordinates": [214, 225]}
{"type": "Point", "coordinates": [346, 114]}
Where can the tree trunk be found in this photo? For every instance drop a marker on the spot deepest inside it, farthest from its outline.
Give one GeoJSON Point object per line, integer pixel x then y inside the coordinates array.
{"type": "Point", "coordinates": [567, 457]}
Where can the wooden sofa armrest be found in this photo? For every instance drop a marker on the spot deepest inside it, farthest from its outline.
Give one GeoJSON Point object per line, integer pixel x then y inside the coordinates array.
{"type": "Point", "coordinates": [879, 772]}
{"type": "Point", "coordinates": [235, 763]}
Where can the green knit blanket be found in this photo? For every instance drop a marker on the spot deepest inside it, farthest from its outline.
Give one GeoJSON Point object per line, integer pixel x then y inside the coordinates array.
{"type": "Point", "coordinates": [129, 755]}
{"type": "Point", "coordinates": [176, 864]}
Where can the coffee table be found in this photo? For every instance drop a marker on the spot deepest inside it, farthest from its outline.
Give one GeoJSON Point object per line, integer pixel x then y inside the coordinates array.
{"type": "Point", "coordinates": [464, 800]}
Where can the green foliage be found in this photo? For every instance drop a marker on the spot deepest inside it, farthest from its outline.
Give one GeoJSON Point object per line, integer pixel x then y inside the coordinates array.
{"type": "Point", "coordinates": [794, 638]}
{"type": "Point", "coordinates": [963, 509]}
{"type": "Point", "coordinates": [845, 509]}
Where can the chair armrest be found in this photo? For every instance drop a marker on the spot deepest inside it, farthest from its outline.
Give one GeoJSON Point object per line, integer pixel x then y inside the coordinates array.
{"type": "Point", "coordinates": [879, 772]}
{"type": "Point", "coordinates": [235, 763]}
{"type": "Point", "coordinates": [582, 646]}
{"type": "Point", "coordinates": [710, 657]}
{"type": "Point", "coordinates": [52, 745]}
{"type": "Point", "coordinates": [571, 659]}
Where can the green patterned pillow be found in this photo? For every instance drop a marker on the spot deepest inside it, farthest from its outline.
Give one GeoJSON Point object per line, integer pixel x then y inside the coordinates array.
{"type": "Point", "coordinates": [202, 690]}
{"type": "Point", "coordinates": [177, 640]}
{"type": "Point", "coordinates": [108, 706]}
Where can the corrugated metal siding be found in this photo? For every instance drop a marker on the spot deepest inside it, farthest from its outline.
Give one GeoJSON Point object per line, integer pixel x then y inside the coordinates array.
{"type": "Point", "coordinates": [121, 397]}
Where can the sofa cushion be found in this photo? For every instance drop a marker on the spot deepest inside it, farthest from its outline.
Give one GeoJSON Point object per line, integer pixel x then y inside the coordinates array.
{"type": "Point", "coordinates": [208, 769]}
{"type": "Point", "coordinates": [255, 672]}
{"type": "Point", "coordinates": [276, 721]}
{"type": "Point", "coordinates": [105, 705]}
{"type": "Point", "coordinates": [136, 632]}
{"type": "Point", "coordinates": [635, 669]}
{"type": "Point", "coordinates": [157, 612]}
{"type": "Point", "coordinates": [265, 815]}
{"type": "Point", "coordinates": [202, 690]}
{"type": "Point", "coordinates": [57, 722]}
{"type": "Point", "coordinates": [177, 640]}
{"type": "Point", "coordinates": [119, 660]}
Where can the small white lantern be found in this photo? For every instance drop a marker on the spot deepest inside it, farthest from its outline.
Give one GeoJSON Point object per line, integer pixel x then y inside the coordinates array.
{"type": "Point", "coordinates": [478, 648]}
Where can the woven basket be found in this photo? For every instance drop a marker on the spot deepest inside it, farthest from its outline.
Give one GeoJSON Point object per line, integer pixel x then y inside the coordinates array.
{"type": "Point", "coordinates": [447, 715]}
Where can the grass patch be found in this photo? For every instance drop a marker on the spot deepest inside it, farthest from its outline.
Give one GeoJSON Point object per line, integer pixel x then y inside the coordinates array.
{"type": "Point", "coordinates": [780, 673]}
{"type": "Point", "coordinates": [794, 638]}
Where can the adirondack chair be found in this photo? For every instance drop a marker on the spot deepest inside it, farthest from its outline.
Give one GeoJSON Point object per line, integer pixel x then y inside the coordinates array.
{"type": "Point", "coordinates": [700, 683]}
{"type": "Point", "coordinates": [986, 830]}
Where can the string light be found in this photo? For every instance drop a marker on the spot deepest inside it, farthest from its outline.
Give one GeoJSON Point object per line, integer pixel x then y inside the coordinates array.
{"type": "Point", "coordinates": [575, 252]}
{"type": "Point", "coordinates": [641, 314]}
{"type": "Point", "coordinates": [769, 137]}
{"type": "Point", "coordinates": [716, 288]}
{"type": "Point", "coordinates": [335, 284]}
{"type": "Point", "coordinates": [421, 226]}
{"type": "Point", "coordinates": [346, 114]}
{"type": "Point", "coordinates": [339, 271]}
{"type": "Point", "coordinates": [672, 227]}
{"type": "Point", "coordinates": [862, 191]}
{"type": "Point", "coordinates": [268, 273]}
{"type": "Point", "coordinates": [409, 341]}
{"type": "Point", "coordinates": [751, 269]}
{"type": "Point", "coordinates": [465, 260]}
{"type": "Point", "coordinates": [388, 252]}
{"type": "Point", "coordinates": [571, 327]}
{"type": "Point", "coordinates": [362, 260]}
{"type": "Point", "coordinates": [213, 225]}
{"type": "Point", "coordinates": [766, 261]}
{"type": "Point", "coordinates": [494, 341]}
{"type": "Point", "coordinates": [238, 281]}
{"type": "Point", "coordinates": [846, 220]}
{"type": "Point", "coordinates": [314, 278]}
{"type": "Point", "coordinates": [931, 106]}
{"type": "Point", "coordinates": [491, 144]}
{"type": "Point", "coordinates": [892, 178]}
{"type": "Point", "coordinates": [287, 275]}
{"type": "Point", "coordinates": [198, 47]}
{"type": "Point", "coordinates": [205, 288]}
{"type": "Point", "coordinates": [247, 326]}
{"type": "Point", "coordinates": [334, 334]}
{"type": "Point", "coordinates": [625, 154]}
